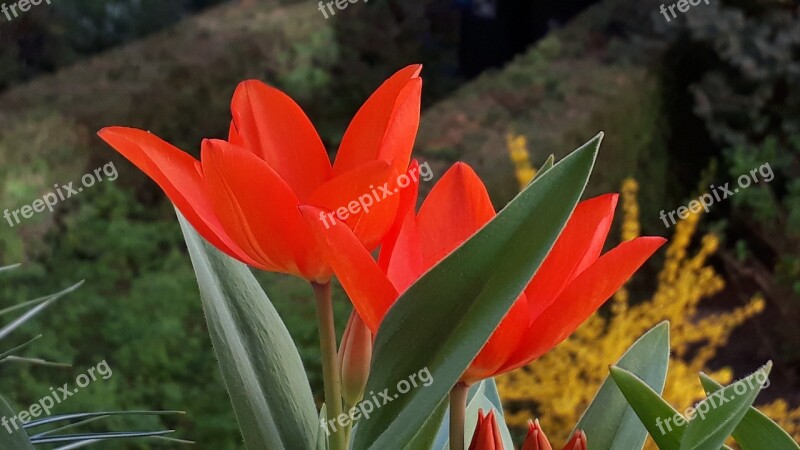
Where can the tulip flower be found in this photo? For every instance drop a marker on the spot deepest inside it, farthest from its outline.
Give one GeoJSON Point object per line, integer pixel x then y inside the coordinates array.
{"type": "Point", "coordinates": [487, 434]}
{"type": "Point", "coordinates": [573, 281]}
{"type": "Point", "coordinates": [578, 441]}
{"type": "Point", "coordinates": [536, 439]}
{"type": "Point", "coordinates": [243, 194]}
{"type": "Point", "coordinates": [355, 356]}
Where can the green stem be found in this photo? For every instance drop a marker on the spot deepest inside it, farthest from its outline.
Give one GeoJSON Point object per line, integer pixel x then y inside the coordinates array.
{"type": "Point", "coordinates": [458, 414]}
{"type": "Point", "coordinates": [330, 364]}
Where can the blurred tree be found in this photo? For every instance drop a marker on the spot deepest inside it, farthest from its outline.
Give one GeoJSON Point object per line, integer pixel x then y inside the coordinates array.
{"type": "Point", "coordinates": [47, 38]}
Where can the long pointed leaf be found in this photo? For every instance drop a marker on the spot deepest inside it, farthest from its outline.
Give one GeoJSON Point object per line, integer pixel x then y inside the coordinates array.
{"type": "Point", "coordinates": [12, 438]}
{"type": "Point", "coordinates": [609, 421]}
{"type": "Point", "coordinates": [721, 412]}
{"type": "Point", "coordinates": [262, 370]}
{"type": "Point", "coordinates": [755, 431]}
{"type": "Point", "coordinates": [444, 318]}
{"type": "Point", "coordinates": [45, 302]}
{"type": "Point", "coordinates": [654, 412]}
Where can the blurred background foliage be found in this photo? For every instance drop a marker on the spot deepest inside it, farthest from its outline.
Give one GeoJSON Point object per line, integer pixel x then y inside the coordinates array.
{"type": "Point", "coordinates": [695, 102]}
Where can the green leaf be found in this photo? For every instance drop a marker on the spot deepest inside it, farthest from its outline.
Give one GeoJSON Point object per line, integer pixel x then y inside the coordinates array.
{"type": "Point", "coordinates": [260, 364]}
{"type": "Point", "coordinates": [12, 438]}
{"type": "Point", "coordinates": [657, 416]}
{"type": "Point", "coordinates": [322, 437]}
{"type": "Point", "coordinates": [755, 431]}
{"type": "Point", "coordinates": [717, 416]}
{"type": "Point", "coordinates": [609, 422]}
{"type": "Point", "coordinates": [46, 299]}
{"type": "Point", "coordinates": [444, 318]}
{"type": "Point", "coordinates": [429, 433]}
{"type": "Point", "coordinates": [546, 165]}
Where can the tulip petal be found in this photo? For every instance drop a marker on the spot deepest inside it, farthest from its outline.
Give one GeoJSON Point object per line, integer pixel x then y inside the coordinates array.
{"type": "Point", "coordinates": [271, 125]}
{"type": "Point", "coordinates": [582, 297]}
{"type": "Point", "coordinates": [177, 173]}
{"type": "Point", "coordinates": [386, 126]}
{"type": "Point", "coordinates": [405, 207]}
{"type": "Point", "coordinates": [259, 210]}
{"type": "Point", "coordinates": [364, 198]}
{"type": "Point", "coordinates": [400, 257]}
{"type": "Point", "coordinates": [578, 246]}
{"type": "Point", "coordinates": [368, 288]}
{"type": "Point", "coordinates": [456, 208]}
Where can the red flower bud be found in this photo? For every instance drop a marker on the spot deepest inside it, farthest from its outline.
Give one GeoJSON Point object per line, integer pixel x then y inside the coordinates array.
{"type": "Point", "coordinates": [536, 439]}
{"type": "Point", "coordinates": [355, 356]}
{"type": "Point", "coordinates": [578, 441]}
{"type": "Point", "coordinates": [487, 433]}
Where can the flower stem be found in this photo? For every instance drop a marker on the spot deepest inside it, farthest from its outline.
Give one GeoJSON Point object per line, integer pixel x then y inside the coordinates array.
{"type": "Point", "coordinates": [458, 413]}
{"type": "Point", "coordinates": [330, 364]}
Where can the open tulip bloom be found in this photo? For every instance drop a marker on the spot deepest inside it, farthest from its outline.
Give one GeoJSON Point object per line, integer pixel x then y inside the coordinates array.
{"type": "Point", "coordinates": [243, 194]}
{"type": "Point", "coordinates": [535, 271]}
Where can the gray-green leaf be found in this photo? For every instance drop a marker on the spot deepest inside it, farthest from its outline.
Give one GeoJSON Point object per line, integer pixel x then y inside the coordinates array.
{"type": "Point", "coordinates": [260, 364]}
{"type": "Point", "coordinates": [609, 422]}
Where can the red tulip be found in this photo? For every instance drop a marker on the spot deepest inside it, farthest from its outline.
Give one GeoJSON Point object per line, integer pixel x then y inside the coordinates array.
{"type": "Point", "coordinates": [578, 441]}
{"type": "Point", "coordinates": [243, 194]}
{"type": "Point", "coordinates": [571, 284]}
{"type": "Point", "coordinates": [487, 434]}
{"type": "Point", "coordinates": [536, 439]}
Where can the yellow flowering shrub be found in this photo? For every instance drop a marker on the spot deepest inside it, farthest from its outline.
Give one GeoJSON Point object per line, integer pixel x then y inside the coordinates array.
{"type": "Point", "coordinates": [518, 150]}
{"type": "Point", "coordinates": [559, 386]}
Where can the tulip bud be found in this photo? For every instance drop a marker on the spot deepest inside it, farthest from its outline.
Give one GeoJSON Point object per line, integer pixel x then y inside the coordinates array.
{"type": "Point", "coordinates": [578, 441]}
{"type": "Point", "coordinates": [487, 434]}
{"type": "Point", "coordinates": [536, 439]}
{"type": "Point", "coordinates": [355, 356]}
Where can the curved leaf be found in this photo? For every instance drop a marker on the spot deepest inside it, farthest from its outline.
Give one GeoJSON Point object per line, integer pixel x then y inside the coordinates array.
{"type": "Point", "coordinates": [609, 422]}
{"type": "Point", "coordinates": [755, 431]}
{"type": "Point", "coordinates": [260, 364]}
{"type": "Point", "coordinates": [722, 412]}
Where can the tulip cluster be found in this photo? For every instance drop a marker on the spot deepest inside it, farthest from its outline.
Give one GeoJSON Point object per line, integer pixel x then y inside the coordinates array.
{"type": "Point", "coordinates": [258, 197]}
{"type": "Point", "coordinates": [487, 436]}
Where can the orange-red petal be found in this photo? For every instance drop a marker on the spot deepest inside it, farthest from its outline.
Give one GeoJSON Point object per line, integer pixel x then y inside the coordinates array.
{"type": "Point", "coordinates": [386, 126]}
{"type": "Point", "coordinates": [578, 246]}
{"type": "Point", "coordinates": [584, 295]}
{"type": "Point", "coordinates": [178, 174]}
{"type": "Point", "coordinates": [457, 206]}
{"type": "Point", "coordinates": [369, 191]}
{"type": "Point", "coordinates": [271, 125]}
{"type": "Point", "coordinates": [259, 209]}
{"type": "Point", "coordinates": [405, 207]}
{"type": "Point", "coordinates": [368, 288]}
